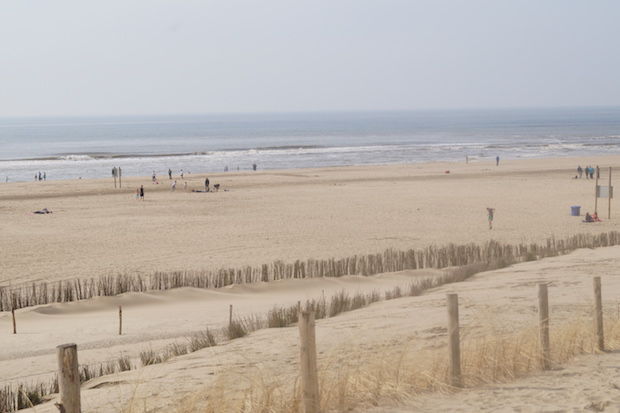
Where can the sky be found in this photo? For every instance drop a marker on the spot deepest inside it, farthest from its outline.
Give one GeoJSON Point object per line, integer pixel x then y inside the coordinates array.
{"type": "Point", "coordinates": [136, 57]}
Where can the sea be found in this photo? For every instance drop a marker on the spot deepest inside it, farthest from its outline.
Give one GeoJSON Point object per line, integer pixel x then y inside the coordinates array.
{"type": "Point", "coordinates": [89, 147]}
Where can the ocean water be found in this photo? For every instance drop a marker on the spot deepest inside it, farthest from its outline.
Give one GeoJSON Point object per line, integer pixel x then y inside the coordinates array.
{"type": "Point", "coordinates": [70, 148]}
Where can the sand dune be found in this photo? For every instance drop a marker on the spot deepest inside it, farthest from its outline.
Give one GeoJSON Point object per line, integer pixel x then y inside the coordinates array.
{"type": "Point", "coordinates": [158, 318]}
{"type": "Point", "coordinates": [495, 302]}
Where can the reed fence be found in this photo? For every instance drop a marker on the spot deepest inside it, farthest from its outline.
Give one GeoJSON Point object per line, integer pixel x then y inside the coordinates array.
{"type": "Point", "coordinates": [390, 260]}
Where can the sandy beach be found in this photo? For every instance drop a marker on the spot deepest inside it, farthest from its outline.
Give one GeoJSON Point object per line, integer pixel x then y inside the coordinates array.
{"type": "Point", "coordinates": [260, 217]}
{"type": "Point", "coordinates": [287, 215]}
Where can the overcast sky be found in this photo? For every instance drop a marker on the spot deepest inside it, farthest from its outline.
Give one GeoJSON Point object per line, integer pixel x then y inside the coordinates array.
{"type": "Point", "coordinates": [180, 56]}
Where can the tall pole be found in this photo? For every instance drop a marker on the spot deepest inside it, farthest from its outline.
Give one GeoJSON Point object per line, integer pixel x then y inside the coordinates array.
{"type": "Point", "coordinates": [596, 195]}
{"type": "Point", "coordinates": [609, 196]}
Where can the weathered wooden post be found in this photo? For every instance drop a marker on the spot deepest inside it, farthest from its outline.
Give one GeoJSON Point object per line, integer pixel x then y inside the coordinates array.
{"type": "Point", "coordinates": [454, 340]}
{"type": "Point", "coordinates": [307, 353]}
{"type": "Point", "coordinates": [14, 323]}
{"type": "Point", "coordinates": [598, 314]}
{"type": "Point", "coordinates": [543, 314]}
{"type": "Point", "coordinates": [68, 379]}
{"type": "Point", "coordinates": [230, 316]}
{"type": "Point", "coordinates": [120, 320]}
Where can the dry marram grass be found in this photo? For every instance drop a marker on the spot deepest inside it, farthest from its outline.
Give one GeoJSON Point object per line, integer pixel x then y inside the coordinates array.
{"type": "Point", "coordinates": [399, 374]}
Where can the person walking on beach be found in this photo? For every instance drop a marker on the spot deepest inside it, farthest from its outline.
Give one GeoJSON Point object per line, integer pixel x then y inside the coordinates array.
{"type": "Point", "coordinates": [579, 171]}
{"type": "Point", "coordinates": [44, 176]}
{"type": "Point", "coordinates": [173, 187]}
{"type": "Point", "coordinates": [207, 184]}
{"type": "Point", "coordinates": [497, 161]}
{"type": "Point", "coordinates": [169, 173]}
{"type": "Point", "coordinates": [490, 215]}
{"type": "Point", "coordinates": [154, 177]}
{"type": "Point", "coordinates": [182, 174]}
{"type": "Point", "coordinates": [142, 192]}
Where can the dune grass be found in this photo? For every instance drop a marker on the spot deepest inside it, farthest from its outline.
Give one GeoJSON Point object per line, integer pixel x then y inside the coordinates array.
{"type": "Point", "coordinates": [388, 377]}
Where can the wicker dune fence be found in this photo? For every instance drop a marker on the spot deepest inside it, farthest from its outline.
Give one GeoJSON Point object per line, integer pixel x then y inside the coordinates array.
{"type": "Point", "coordinates": [390, 260]}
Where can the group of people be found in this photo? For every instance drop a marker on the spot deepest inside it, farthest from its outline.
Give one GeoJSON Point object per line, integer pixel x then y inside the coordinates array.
{"type": "Point", "coordinates": [589, 171]}
{"type": "Point", "coordinates": [37, 177]}
{"type": "Point", "coordinates": [592, 218]}
{"type": "Point", "coordinates": [181, 174]}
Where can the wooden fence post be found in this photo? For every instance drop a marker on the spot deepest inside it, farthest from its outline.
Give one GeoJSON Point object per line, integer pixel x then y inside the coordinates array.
{"type": "Point", "coordinates": [598, 314]}
{"type": "Point", "coordinates": [543, 314]}
{"type": "Point", "coordinates": [14, 323]}
{"type": "Point", "coordinates": [68, 379]}
{"type": "Point", "coordinates": [120, 320]}
{"type": "Point", "coordinates": [307, 352]}
{"type": "Point", "coordinates": [454, 341]}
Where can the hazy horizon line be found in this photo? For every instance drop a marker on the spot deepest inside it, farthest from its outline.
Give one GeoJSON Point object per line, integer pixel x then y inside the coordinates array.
{"type": "Point", "coordinates": [315, 111]}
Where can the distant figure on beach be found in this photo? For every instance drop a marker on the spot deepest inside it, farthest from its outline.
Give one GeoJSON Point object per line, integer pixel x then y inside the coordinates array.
{"type": "Point", "coordinates": [588, 218]}
{"type": "Point", "coordinates": [142, 192]}
{"type": "Point", "coordinates": [182, 174]}
{"type": "Point", "coordinates": [595, 217]}
{"type": "Point", "coordinates": [598, 172]}
{"type": "Point", "coordinates": [466, 159]}
{"type": "Point", "coordinates": [497, 161]}
{"type": "Point", "coordinates": [579, 171]}
{"type": "Point", "coordinates": [40, 176]}
{"type": "Point", "coordinates": [254, 166]}
{"type": "Point", "coordinates": [154, 177]}
{"type": "Point", "coordinates": [169, 173]}
{"type": "Point", "coordinates": [490, 215]}
{"type": "Point", "coordinates": [207, 184]}
{"type": "Point", "coordinates": [173, 187]}
{"type": "Point", "coordinates": [44, 176]}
